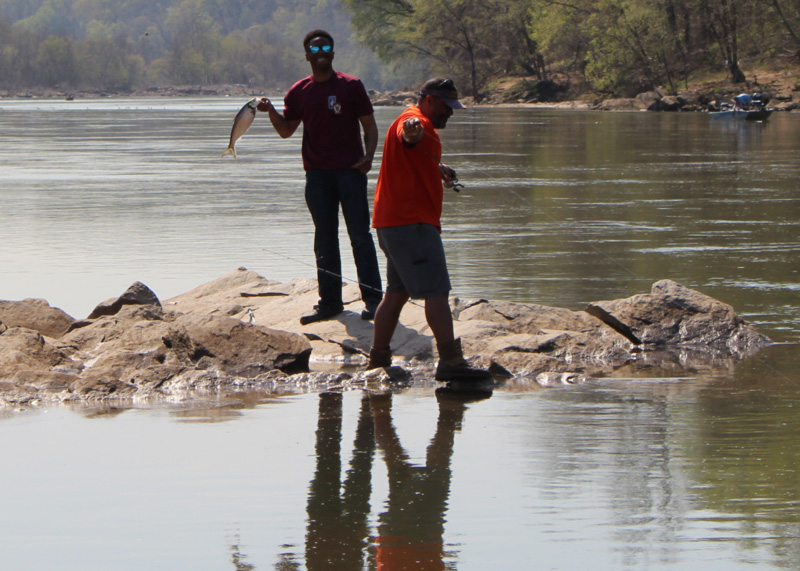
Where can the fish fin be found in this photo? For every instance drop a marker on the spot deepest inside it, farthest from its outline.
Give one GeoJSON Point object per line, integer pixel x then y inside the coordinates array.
{"type": "Point", "coordinates": [230, 150]}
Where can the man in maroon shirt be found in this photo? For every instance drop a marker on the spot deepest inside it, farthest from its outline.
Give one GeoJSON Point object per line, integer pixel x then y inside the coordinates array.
{"type": "Point", "coordinates": [334, 108]}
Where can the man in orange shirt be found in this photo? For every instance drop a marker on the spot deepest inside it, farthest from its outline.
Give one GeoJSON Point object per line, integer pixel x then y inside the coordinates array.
{"type": "Point", "coordinates": [407, 212]}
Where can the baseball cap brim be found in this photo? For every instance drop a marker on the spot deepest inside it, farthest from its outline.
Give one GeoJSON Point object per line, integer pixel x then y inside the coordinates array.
{"type": "Point", "coordinates": [453, 103]}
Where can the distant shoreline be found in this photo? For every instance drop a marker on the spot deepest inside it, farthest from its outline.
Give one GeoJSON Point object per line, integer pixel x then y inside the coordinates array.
{"type": "Point", "coordinates": [785, 97]}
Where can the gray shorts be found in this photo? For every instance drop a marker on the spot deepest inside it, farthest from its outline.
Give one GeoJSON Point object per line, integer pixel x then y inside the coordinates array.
{"type": "Point", "coordinates": [415, 260]}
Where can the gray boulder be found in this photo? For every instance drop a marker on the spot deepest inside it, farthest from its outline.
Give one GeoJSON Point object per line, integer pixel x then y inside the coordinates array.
{"type": "Point", "coordinates": [673, 314]}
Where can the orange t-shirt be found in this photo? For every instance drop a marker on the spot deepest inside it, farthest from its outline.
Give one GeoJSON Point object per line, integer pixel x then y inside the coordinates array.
{"type": "Point", "coordinates": [410, 557]}
{"type": "Point", "coordinates": [409, 187]}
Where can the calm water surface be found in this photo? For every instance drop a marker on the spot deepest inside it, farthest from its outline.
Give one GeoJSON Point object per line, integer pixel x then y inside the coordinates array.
{"type": "Point", "coordinates": [561, 208]}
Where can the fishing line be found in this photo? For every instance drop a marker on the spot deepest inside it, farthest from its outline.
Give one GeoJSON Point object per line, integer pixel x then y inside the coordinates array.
{"type": "Point", "coordinates": [334, 274]}
{"type": "Point", "coordinates": [341, 277]}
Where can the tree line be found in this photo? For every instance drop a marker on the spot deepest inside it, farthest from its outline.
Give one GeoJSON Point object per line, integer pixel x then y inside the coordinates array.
{"type": "Point", "coordinates": [128, 44]}
{"type": "Point", "coordinates": [613, 47]}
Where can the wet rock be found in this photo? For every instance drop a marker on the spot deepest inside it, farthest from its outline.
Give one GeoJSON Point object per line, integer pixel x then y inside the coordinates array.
{"type": "Point", "coordinates": [555, 379]}
{"type": "Point", "coordinates": [140, 349]}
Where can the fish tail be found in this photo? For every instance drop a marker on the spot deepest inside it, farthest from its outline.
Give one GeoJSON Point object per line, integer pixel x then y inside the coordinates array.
{"type": "Point", "coordinates": [230, 150]}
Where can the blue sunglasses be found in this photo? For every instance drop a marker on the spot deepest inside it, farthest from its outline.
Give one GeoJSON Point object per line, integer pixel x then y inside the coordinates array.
{"type": "Point", "coordinates": [327, 48]}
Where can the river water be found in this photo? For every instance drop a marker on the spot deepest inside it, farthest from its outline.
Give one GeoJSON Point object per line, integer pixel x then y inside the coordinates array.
{"type": "Point", "coordinates": [559, 208]}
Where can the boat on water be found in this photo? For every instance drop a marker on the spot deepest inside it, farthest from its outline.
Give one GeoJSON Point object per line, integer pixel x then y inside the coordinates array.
{"type": "Point", "coordinates": [745, 107]}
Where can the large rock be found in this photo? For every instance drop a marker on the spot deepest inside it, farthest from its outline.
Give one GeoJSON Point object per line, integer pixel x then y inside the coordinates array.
{"type": "Point", "coordinates": [243, 330]}
{"type": "Point", "coordinates": [143, 351]}
{"type": "Point", "coordinates": [143, 348]}
{"type": "Point", "coordinates": [673, 314]}
{"type": "Point", "coordinates": [527, 339]}
{"type": "Point", "coordinates": [29, 362]}
{"type": "Point", "coordinates": [137, 294]}
{"type": "Point", "coordinates": [35, 314]}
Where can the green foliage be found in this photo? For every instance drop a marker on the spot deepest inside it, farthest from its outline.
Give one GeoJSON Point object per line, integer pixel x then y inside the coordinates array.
{"type": "Point", "coordinates": [620, 47]}
{"type": "Point", "coordinates": [124, 44]}
{"type": "Point", "coordinates": [469, 40]}
{"type": "Point", "coordinates": [627, 46]}
{"type": "Point", "coordinates": [55, 61]}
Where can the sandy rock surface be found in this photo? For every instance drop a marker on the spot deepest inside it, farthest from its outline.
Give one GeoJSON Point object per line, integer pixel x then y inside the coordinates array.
{"type": "Point", "coordinates": [242, 331]}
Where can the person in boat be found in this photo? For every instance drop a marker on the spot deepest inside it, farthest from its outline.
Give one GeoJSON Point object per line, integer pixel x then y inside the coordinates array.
{"type": "Point", "coordinates": [743, 101]}
{"type": "Point", "coordinates": [406, 215]}
{"type": "Point", "coordinates": [334, 108]}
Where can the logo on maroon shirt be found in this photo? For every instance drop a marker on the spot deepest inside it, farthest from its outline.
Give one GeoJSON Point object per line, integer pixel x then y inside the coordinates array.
{"type": "Point", "coordinates": [333, 105]}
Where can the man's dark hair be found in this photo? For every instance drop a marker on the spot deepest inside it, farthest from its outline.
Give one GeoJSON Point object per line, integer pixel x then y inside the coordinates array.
{"type": "Point", "coordinates": [316, 34]}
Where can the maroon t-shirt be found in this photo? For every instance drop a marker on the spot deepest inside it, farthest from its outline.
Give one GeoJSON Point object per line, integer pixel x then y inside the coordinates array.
{"type": "Point", "coordinates": [329, 112]}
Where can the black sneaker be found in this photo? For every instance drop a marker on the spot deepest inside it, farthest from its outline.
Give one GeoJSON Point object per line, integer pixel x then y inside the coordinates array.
{"type": "Point", "coordinates": [321, 313]}
{"type": "Point", "coordinates": [369, 311]}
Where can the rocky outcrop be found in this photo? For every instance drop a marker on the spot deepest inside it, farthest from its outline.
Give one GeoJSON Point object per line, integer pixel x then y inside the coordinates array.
{"type": "Point", "coordinates": [137, 294]}
{"type": "Point", "coordinates": [35, 314]}
{"type": "Point", "coordinates": [687, 101]}
{"type": "Point", "coordinates": [141, 350]}
{"type": "Point", "coordinates": [242, 331]}
{"type": "Point", "coordinates": [674, 315]}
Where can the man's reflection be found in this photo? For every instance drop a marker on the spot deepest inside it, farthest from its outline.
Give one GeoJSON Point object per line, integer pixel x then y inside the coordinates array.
{"type": "Point", "coordinates": [337, 536]}
{"type": "Point", "coordinates": [410, 531]}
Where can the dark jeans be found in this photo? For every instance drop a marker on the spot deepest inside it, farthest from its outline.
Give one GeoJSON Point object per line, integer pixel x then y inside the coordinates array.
{"type": "Point", "coordinates": [325, 191]}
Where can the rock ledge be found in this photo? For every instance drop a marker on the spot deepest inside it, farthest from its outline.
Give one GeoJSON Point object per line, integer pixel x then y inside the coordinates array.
{"type": "Point", "coordinates": [241, 332]}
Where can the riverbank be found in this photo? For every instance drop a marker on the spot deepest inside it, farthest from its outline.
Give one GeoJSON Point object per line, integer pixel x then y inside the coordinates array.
{"type": "Point", "coordinates": [782, 87]}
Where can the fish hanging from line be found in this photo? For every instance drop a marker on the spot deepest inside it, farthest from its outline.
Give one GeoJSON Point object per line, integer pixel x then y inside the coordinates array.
{"type": "Point", "coordinates": [244, 118]}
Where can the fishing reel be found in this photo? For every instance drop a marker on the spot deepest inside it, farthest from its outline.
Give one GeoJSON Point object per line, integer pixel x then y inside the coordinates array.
{"type": "Point", "coordinates": [454, 184]}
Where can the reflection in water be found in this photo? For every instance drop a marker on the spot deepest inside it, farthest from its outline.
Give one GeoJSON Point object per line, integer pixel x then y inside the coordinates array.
{"type": "Point", "coordinates": [685, 467]}
{"type": "Point", "coordinates": [238, 558]}
{"type": "Point", "coordinates": [338, 511]}
{"type": "Point", "coordinates": [411, 527]}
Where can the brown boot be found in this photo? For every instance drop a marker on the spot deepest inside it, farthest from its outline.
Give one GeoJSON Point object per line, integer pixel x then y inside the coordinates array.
{"type": "Point", "coordinates": [379, 358]}
{"type": "Point", "coordinates": [452, 365]}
